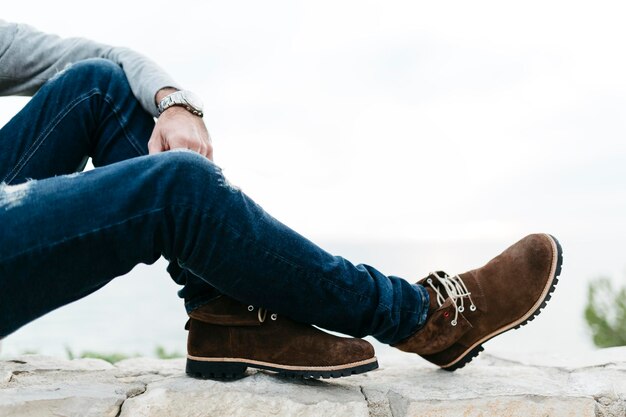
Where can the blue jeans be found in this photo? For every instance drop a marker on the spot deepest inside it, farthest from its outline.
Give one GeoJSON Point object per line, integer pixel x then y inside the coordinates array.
{"type": "Point", "coordinates": [66, 233]}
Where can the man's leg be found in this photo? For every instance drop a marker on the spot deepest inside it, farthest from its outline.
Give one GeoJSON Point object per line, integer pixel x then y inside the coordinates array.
{"type": "Point", "coordinates": [85, 111]}
{"type": "Point", "coordinates": [88, 110]}
{"type": "Point", "coordinates": [64, 240]}
{"type": "Point", "coordinates": [65, 237]}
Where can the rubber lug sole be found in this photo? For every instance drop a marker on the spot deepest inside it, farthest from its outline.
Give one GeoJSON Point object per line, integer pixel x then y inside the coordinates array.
{"type": "Point", "coordinates": [237, 370]}
{"type": "Point", "coordinates": [474, 352]}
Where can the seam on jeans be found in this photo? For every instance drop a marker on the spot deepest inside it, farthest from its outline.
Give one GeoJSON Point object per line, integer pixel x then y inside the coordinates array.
{"type": "Point", "coordinates": [256, 245]}
{"type": "Point", "coordinates": [122, 123]}
{"type": "Point", "coordinates": [32, 149]}
{"type": "Point", "coordinates": [402, 310]}
{"type": "Point", "coordinates": [424, 304]}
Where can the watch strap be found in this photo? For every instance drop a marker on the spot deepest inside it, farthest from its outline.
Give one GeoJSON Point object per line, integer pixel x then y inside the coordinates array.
{"type": "Point", "coordinates": [177, 98]}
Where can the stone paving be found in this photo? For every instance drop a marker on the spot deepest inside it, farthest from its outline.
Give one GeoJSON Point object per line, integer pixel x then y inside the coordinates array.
{"type": "Point", "coordinates": [538, 385]}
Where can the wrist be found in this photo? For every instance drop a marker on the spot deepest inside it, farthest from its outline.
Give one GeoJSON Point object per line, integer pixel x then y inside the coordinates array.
{"type": "Point", "coordinates": [183, 98]}
{"type": "Point", "coordinates": [162, 93]}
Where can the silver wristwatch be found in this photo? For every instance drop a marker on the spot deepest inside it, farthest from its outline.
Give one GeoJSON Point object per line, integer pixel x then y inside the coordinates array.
{"type": "Point", "coordinates": [183, 98]}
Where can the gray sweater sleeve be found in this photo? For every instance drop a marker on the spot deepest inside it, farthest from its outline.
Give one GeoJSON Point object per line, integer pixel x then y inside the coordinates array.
{"type": "Point", "coordinates": [28, 58]}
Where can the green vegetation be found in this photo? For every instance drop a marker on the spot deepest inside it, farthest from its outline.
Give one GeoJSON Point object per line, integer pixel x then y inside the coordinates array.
{"type": "Point", "coordinates": [159, 352]}
{"type": "Point", "coordinates": [162, 354]}
{"type": "Point", "coordinates": [606, 313]}
{"type": "Point", "coordinates": [109, 357]}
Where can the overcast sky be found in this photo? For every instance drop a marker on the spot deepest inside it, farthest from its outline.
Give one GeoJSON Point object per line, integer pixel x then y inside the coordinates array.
{"type": "Point", "coordinates": [362, 119]}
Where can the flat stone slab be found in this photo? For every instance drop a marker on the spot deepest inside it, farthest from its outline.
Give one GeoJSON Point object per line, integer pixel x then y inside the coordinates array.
{"type": "Point", "coordinates": [503, 385]}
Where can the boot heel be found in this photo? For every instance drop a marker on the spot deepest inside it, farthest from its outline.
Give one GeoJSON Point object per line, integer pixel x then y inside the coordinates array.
{"type": "Point", "coordinates": [215, 370]}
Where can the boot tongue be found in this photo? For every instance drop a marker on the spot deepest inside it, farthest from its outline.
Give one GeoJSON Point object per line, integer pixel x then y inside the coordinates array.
{"type": "Point", "coordinates": [432, 294]}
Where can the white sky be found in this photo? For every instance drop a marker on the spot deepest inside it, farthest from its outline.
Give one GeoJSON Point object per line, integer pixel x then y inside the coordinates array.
{"type": "Point", "coordinates": [363, 119]}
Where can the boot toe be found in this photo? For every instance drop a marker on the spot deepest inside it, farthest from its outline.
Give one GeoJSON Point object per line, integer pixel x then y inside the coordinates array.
{"type": "Point", "coordinates": [362, 350]}
{"type": "Point", "coordinates": [347, 351]}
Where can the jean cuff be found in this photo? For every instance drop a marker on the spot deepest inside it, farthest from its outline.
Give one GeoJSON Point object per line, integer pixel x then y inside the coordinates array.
{"type": "Point", "coordinates": [199, 302]}
{"type": "Point", "coordinates": [418, 318]}
{"type": "Point", "coordinates": [425, 304]}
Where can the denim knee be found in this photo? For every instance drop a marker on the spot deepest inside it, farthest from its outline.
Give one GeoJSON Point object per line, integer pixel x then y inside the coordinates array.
{"type": "Point", "coordinates": [183, 159]}
{"type": "Point", "coordinates": [188, 170]}
{"type": "Point", "coordinates": [93, 73]}
{"type": "Point", "coordinates": [96, 68]}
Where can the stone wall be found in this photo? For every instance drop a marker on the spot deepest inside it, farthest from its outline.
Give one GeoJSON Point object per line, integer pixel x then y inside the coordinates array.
{"type": "Point", "coordinates": [593, 385]}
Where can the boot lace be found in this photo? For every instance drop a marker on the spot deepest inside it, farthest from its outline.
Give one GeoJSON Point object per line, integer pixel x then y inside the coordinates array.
{"type": "Point", "coordinates": [455, 288]}
{"type": "Point", "coordinates": [262, 313]}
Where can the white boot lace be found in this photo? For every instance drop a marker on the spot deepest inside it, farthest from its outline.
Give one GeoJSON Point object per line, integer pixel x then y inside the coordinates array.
{"type": "Point", "coordinates": [262, 313]}
{"type": "Point", "coordinates": [456, 289]}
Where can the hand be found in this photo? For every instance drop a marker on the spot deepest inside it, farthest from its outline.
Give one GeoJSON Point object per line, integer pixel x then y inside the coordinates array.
{"type": "Point", "coordinates": [176, 127]}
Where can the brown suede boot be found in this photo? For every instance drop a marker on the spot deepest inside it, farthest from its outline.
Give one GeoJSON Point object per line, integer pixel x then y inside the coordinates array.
{"type": "Point", "coordinates": [478, 305]}
{"type": "Point", "coordinates": [225, 337]}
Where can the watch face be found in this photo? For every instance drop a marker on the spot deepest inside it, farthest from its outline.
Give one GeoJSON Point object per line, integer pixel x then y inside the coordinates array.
{"type": "Point", "coordinates": [193, 100]}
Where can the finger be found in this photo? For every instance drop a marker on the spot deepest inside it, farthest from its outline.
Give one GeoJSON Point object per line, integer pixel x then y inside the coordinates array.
{"type": "Point", "coordinates": [204, 150]}
{"type": "Point", "coordinates": [155, 144]}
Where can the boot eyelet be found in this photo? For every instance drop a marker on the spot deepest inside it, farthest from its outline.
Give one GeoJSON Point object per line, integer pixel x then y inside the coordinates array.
{"type": "Point", "coordinates": [446, 314]}
{"type": "Point", "coordinates": [429, 280]}
{"type": "Point", "coordinates": [453, 322]}
{"type": "Point", "coordinates": [461, 309]}
{"type": "Point", "coordinates": [274, 316]}
{"type": "Point", "coordinates": [250, 308]}
{"type": "Point", "coordinates": [472, 307]}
